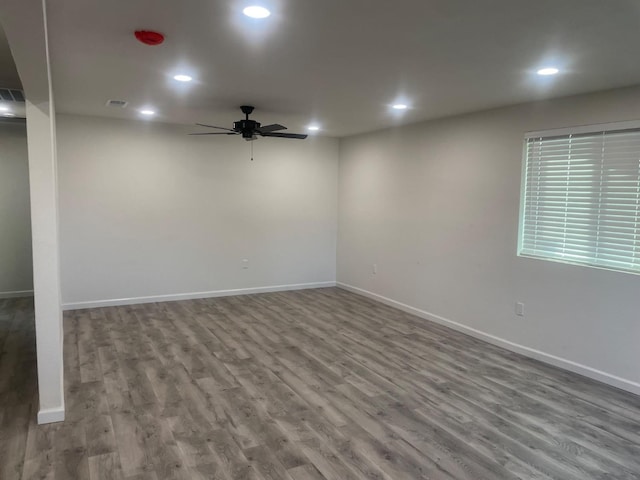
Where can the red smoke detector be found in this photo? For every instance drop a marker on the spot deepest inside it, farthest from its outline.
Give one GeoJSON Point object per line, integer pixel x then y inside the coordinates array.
{"type": "Point", "coordinates": [149, 38]}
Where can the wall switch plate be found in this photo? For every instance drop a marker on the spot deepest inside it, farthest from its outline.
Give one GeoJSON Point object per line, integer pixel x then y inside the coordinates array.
{"type": "Point", "coordinates": [375, 269]}
{"type": "Point", "coordinates": [520, 309]}
{"type": "Point", "coordinates": [245, 263]}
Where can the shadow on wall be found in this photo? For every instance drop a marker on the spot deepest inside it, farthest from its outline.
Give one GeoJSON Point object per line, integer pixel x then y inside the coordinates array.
{"type": "Point", "coordinates": [16, 266]}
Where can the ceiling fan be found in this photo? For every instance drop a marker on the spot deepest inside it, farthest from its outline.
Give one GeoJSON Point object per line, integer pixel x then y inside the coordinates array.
{"type": "Point", "coordinates": [250, 129]}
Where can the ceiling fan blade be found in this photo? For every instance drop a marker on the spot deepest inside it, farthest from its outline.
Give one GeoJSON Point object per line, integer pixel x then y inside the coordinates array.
{"type": "Point", "coordinates": [271, 128]}
{"type": "Point", "coordinates": [213, 126]}
{"type": "Point", "coordinates": [298, 136]}
{"type": "Point", "coordinates": [215, 133]}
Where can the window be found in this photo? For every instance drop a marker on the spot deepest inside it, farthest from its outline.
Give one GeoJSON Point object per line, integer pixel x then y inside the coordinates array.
{"type": "Point", "coordinates": [581, 196]}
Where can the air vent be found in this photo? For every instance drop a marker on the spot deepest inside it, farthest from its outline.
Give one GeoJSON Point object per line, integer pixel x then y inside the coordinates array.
{"type": "Point", "coordinates": [117, 103]}
{"type": "Point", "coordinates": [11, 95]}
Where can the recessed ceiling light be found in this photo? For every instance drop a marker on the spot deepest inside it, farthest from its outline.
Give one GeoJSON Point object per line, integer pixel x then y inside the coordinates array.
{"type": "Point", "coordinates": [313, 128]}
{"type": "Point", "coordinates": [3, 108]}
{"type": "Point", "coordinates": [9, 114]}
{"type": "Point", "coordinates": [183, 78]}
{"type": "Point", "coordinates": [147, 112]}
{"type": "Point", "coordinates": [400, 106]}
{"type": "Point", "coordinates": [548, 71]}
{"type": "Point", "coordinates": [256, 11]}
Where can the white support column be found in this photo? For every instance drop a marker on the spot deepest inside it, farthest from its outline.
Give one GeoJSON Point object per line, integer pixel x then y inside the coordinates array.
{"type": "Point", "coordinates": [25, 25]}
{"type": "Point", "coordinates": [46, 265]}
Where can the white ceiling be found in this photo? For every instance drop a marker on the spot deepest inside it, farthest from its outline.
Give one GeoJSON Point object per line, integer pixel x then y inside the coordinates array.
{"type": "Point", "coordinates": [337, 62]}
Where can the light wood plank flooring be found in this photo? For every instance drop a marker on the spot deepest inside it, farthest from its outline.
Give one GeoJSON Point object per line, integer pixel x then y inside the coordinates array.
{"type": "Point", "coordinates": [308, 385]}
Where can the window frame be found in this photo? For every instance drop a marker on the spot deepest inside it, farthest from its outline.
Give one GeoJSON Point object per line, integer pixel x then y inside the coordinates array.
{"type": "Point", "coordinates": [576, 130]}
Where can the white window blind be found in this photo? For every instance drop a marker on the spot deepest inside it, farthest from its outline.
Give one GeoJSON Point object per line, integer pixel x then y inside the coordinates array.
{"type": "Point", "coordinates": [581, 199]}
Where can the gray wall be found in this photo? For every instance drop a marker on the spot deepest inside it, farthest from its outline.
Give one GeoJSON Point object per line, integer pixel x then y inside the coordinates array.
{"type": "Point", "coordinates": [16, 267]}
{"type": "Point", "coordinates": [146, 210]}
{"type": "Point", "coordinates": [436, 205]}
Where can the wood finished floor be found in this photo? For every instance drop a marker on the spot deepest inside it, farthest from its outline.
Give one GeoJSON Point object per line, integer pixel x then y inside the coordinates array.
{"type": "Point", "coordinates": [309, 385]}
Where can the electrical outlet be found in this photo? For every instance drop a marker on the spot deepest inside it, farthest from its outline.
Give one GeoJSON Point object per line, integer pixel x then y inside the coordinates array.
{"type": "Point", "coordinates": [245, 263]}
{"type": "Point", "coordinates": [520, 309]}
{"type": "Point", "coordinates": [375, 269]}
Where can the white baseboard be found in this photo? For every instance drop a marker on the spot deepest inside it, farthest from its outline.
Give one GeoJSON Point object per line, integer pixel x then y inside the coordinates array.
{"type": "Point", "coordinates": [563, 363]}
{"type": "Point", "coordinates": [193, 295]}
{"type": "Point", "coordinates": [51, 415]}
{"type": "Point", "coordinates": [16, 294]}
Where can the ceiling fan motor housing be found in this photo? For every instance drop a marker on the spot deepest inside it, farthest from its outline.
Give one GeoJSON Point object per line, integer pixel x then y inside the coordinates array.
{"type": "Point", "coordinates": [246, 127]}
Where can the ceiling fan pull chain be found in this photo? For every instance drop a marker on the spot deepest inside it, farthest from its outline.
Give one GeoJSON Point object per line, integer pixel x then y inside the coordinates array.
{"type": "Point", "coordinates": [251, 151]}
